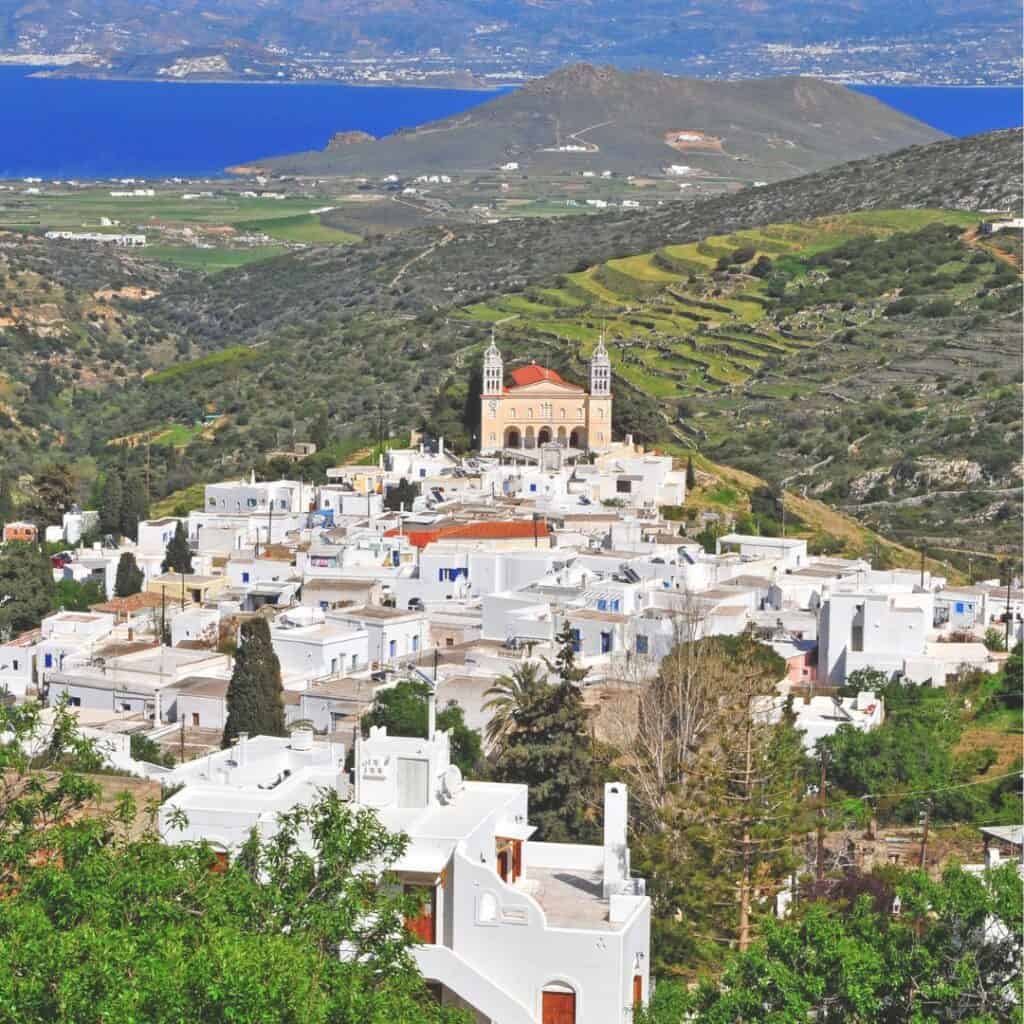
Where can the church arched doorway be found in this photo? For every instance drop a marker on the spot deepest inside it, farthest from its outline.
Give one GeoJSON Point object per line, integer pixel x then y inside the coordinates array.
{"type": "Point", "coordinates": [578, 438]}
{"type": "Point", "coordinates": [528, 442]}
{"type": "Point", "coordinates": [544, 436]}
{"type": "Point", "coordinates": [512, 438]}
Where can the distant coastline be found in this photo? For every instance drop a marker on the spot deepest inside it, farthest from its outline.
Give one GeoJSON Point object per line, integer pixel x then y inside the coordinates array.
{"type": "Point", "coordinates": [156, 132]}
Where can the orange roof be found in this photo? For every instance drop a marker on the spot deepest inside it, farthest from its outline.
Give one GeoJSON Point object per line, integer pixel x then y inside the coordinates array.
{"type": "Point", "coordinates": [126, 605]}
{"type": "Point", "coordinates": [515, 529]}
{"type": "Point", "coordinates": [533, 374]}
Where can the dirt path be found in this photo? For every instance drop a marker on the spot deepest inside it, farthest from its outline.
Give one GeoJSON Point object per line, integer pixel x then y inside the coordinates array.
{"type": "Point", "coordinates": [974, 240]}
{"type": "Point", "coordinates": [448, 237]}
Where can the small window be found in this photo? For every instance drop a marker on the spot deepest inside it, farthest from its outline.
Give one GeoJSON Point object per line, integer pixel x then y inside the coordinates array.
{"type": "Point", "coordinates": [251, 502]}
{"type": "Point", "coordinates": [14, 664]}
{"type": "Point", "coordinates": [415, 643]}
{"type": "Point", "coordinates": [125, 706]}
{"type": "Point", "coordinates": [449, 641]}
{"type": "Point", "coordinates": [195, 719]}
{"type": "Point", "coordinates": [641, 644]}
{"type": "Point", "coordinates": [602, 604]}
{"type": "Point", "coordinates": [324, 605]}
{"type": "Point", "coordinates": [623, 486]}
{"type": "Point", "coordinates": [245, 577]}
{"type": "Point", "coordinates": [392, 648]}
{"type": "Point", "coordinates": [74, 702]}
{"type": "Point", "coordinates": [48, 661]}
{"type": "Point", "coordinates": [606, 643]}
{"type": "Point", "coordinates": [533, 487]}
{"type": "Point", "coordinates": [960, 607]}
{"type": "Point", "coordinates": [575, 636]}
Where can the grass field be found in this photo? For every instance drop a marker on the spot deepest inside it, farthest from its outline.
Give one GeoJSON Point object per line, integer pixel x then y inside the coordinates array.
{"type": "Point", "coordinates": [209, 260]}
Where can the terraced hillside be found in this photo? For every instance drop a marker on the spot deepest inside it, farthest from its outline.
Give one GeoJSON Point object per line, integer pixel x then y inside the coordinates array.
{"type": "Point", "coordinates": [870, 359]}
{"type": "Point", "coordinates": [677, 322]}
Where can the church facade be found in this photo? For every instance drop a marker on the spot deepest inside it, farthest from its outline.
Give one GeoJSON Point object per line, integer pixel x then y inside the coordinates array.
{"type": "Point", "coordinates": [539, 407]}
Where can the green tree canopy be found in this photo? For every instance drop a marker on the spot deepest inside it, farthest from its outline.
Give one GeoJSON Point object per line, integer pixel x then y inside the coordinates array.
{"type": "Point", "coordinates": [549, 748]}
{"type": "Point", "coordinates": [111, 503]}
{"type": "Point", "coordinates": [952, 954]}
{"type": "Point", "coordinates": [99, 923]}
{"type": "Point", "coordinates": [26, 587]}
{"type": "Point", "coordinates": [255, 698]}
{"type": "Point", "coordinates": [129, 576]}
{"type": "Point", "coordinates": [402, 708]}
{"type": "Point", "coordinates": [178, 556]}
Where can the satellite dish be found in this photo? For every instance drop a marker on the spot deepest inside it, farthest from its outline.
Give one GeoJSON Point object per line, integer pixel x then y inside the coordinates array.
{"type": "Point", "coordinates": [451, 781]}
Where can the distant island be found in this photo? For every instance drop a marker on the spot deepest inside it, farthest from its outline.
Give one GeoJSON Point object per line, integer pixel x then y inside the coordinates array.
{"type": "Point", "coordinates": [588, 120]}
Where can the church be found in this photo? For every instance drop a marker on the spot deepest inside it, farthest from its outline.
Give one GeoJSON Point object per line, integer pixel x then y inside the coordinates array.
{"type": "Point", "coordinates": [540, 408]}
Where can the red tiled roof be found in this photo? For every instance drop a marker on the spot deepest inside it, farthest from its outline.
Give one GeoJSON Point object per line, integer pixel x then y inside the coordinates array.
{"type": "Point", "coordinates": [533, 374]}
{"type": "Point", "coordinates": [125, 605]}
{"type": "Point", "coordinates": [515, 529]}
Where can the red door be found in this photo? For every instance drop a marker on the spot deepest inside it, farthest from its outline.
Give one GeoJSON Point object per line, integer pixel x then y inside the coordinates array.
{"type": "Point", "coordinates": [517, 859]}
{"type": "Point", "coordinates": [559, 1008]}
{"type": "Point", "coordinates": [638, 992]}
{"type": "Point", "coordinates": [424, 924]}
{"type": "Point", "coordinates": [503, 865]}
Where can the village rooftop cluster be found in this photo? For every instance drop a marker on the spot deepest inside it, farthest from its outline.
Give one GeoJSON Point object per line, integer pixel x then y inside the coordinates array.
{"type": "Point", "coordinates": [556, 526]}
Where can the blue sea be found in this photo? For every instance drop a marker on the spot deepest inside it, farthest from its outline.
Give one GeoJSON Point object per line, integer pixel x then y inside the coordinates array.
{"type": "Point", "coordinates": [69, 128]}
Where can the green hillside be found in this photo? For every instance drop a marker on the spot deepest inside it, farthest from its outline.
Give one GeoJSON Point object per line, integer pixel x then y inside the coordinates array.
{"type": "Point", "coordinates": [871, 359]}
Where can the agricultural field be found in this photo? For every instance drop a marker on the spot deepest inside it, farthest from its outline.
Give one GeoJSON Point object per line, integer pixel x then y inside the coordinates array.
{"type": "Point", "coordinates": [219, 227]}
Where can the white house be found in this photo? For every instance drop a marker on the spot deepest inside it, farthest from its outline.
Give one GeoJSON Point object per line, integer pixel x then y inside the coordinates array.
{"type": "Point", "coordinates": [17, 662]}
{"type": "Point", "coordinates": [517, 931]}
{"type": "Point", "coordinates": [310, 647]}
{"type": "Point", "coordinates": [860, 629]}
{"type": "Point", "coordinates": [392, 634]}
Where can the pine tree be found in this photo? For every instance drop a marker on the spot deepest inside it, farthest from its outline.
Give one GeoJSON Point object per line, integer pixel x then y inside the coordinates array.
{"type": "Point", "coordinates": [134, 506]}
{"type": "Point", "coordinates": [129, 576]}
{"type": "Point", "coordinates": [255, 696]}
{"type": "Point", "coordinates": [549, 748]}
{"type": "Point", "coordinates": [112, 503]}
{"type": "Point", "coordinates": [691, 475]}
{"type": "Point", "coordinates": [178, 557]}
{"type": "Point", "coordinates": [564, 665]}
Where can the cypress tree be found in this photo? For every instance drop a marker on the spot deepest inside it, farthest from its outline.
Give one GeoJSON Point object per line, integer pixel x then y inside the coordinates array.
{"type": "Point", "coordinates": [129, 576]}
{"type": "Point", "coordinates": [255, 696]}
{"type": "Point", "coordinates": [691, 475]}
{"type": "Point", "coordinates": [178, 557]}
{"type": "Point", "coordinates": [111, 503]}
{"type": "Point", "coordinates": [134, 506]}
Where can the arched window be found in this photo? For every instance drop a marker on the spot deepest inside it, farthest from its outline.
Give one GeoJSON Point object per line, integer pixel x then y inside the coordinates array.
{"type": "Point", "coordinates": [529, 413]}
{"type": "Point", "coordinates": [563, 412]}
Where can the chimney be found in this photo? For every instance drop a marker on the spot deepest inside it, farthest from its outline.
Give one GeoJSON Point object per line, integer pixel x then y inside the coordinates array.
{"type": "Point", "coordinates": [616, 852]}
{"type": "Point", "coordinates": [432, 712]}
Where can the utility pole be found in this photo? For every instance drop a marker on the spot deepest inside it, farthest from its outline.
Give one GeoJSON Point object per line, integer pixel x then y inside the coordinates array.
{"type": "Point", "coordinates": [819, 871]}
{"type": "Point", "coordinates": [923, 861]}
{"type": "Point", "coordinates": [1009, 580]}
{"type": "Point", "coordinates": [923, 550]}
{"type": "Point", "coordinates": [270, 521]}
{"type": "Point", "coordinates": [744, 938]}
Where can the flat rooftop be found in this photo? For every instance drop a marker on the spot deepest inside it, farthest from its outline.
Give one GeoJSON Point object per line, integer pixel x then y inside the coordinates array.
{"type": "Point", "coordinates": [570, 898]}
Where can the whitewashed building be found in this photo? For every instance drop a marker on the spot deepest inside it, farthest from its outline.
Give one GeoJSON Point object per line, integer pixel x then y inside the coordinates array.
{"type": "Point", "coordinates": [516, 931]}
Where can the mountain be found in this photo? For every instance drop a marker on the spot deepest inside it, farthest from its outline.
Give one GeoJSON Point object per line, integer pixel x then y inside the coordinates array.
{"type": "Point", "coordinates": [254, 38]}
{"type": "Point", "coordinates": [587, 118]}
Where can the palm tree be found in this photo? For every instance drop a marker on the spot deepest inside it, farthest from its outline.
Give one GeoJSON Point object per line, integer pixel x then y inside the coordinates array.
{"type": "Point", "coordinates": [508, 696]}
